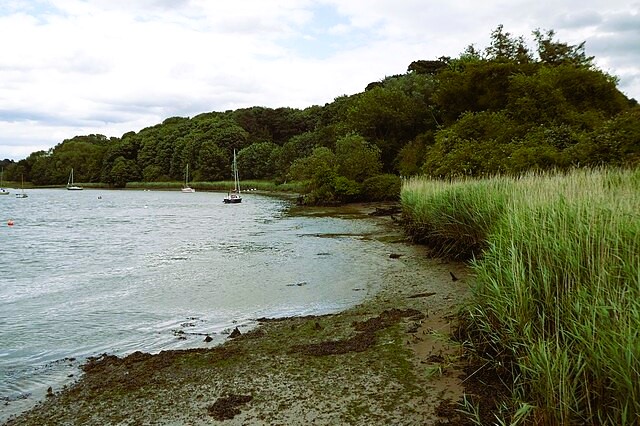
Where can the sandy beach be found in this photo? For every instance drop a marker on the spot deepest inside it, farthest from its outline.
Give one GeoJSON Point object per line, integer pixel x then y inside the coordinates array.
{"type": "Point", "coordinates": [387, 361]}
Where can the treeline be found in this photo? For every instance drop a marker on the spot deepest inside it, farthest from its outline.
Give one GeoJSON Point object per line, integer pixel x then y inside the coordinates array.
{"type": "Point", "coordinates": [506, 109]}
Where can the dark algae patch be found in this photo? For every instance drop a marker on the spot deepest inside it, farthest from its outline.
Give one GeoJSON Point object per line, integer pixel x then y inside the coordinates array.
{"type": "Point", "coordinates": [363, 340]}
{"type": "Point", "coordinates": [228, 407]}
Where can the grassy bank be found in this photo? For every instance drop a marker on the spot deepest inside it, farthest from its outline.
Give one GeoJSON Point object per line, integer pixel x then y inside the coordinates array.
{"type": "Point", "coordinates": [557, 292]}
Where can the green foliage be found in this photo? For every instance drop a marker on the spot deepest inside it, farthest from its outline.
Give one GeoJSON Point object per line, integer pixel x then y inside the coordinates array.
{"type": "Point", "coordinates": [501, 109]}
{"type": "Point", "coordinates": [297, 147]}
{"type": "Point", "coordinates": [257, 161]}
{"type": "Point", "coordinates": [479, 86]}
{"type": "Point", "coordinates": [82, 153]}
{"type": "Point", "coordinates": [616, 142]}
{"type": "Point", "coordinates": [212, 162]}
{"type": "Point", "coordinates": [345, 189]}
{"type": "Point", "coordinates": [557, 53]}
{"type": "Point", "coordinates": [153, 174]}
{"type": "Point", "coordinates": [556, 298]}
{"type": "Point", "coordinates": [319, 166]}
{"type": "Point", "coordinates": [504, 48]}
{"type": "Point", "coordinates": [391, 114]}
{"type": "Point", "coordinates": [454, 218]}
{"type": "Point", "coordinates": [427, 67]}
{"type": "Point", "coordinates": [384, 187]}
{"type": "Point", "coordinates": [124, 171]}
{"type": "Point", "coordinates": [476, 145]}
{"type": "Point", "coordinates": [357, 160]}
{"type": "Point", "coordinates": [412, 156]}
{"type": "Point", "coordinates": [275, 125]}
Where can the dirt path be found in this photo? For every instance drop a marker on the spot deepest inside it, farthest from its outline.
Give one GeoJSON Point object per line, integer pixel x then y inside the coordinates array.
{"type": "Point", "coordinates": [387, 361]}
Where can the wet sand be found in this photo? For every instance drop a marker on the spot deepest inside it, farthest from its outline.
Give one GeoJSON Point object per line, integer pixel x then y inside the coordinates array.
{"type": "Point", "coordinates": [387, 361]}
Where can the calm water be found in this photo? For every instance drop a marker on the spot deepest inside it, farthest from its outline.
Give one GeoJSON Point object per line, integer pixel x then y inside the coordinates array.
{"type": "Point", "coordinates": [88, 272]}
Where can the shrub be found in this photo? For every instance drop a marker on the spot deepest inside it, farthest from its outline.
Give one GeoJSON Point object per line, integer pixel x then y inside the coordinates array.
{"type": "Point", "coordinates": [384, 187]}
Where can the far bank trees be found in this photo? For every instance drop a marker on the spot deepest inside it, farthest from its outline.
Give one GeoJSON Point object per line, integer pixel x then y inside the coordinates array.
{"type": "Point", "coordinates": [504, 109]}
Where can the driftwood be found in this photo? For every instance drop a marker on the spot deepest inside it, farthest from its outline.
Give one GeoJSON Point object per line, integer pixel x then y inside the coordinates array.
{"type": "Point", "coordinates": [386, 211]}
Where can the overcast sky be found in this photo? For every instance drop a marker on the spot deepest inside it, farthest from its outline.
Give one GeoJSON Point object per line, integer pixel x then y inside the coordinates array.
{"type": "Point", "coordinates": [77, 67]}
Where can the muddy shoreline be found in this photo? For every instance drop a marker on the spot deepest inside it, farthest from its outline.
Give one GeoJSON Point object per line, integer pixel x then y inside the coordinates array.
{"type": "Point", "coordinates": [389, 360]}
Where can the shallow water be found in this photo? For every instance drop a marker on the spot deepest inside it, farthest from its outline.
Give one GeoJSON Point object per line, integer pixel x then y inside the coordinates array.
{"type": "Point", "coordinates": [88, 272]}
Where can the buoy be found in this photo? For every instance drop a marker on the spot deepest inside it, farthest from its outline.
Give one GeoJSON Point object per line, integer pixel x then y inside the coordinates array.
{"type": "Point", "coordinates": [10, 222]}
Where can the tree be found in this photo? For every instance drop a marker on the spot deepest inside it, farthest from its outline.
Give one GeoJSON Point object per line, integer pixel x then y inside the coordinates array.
{"type": "Point", "coordinates": [478, 144]}
{"type": "Point", "coordinates": [411, 157]}
{"type": "Point", "coordinates": [392, 115]}
{"type": "Point", "coordinates": [85, 154]}
{"type": "Point", "coordinates": [479, 86]}
{"type": "Point", "coordinates": [555, 53]}
{"type": "Point", "coordinates": [275, 125]}
{"type": "Point", "coordinates": [427, 67]}
{"type": "Point", "coordinates": [357, 160]}
{"type": "Point", "coordinates": [124, 171]}
{"type": "Point", "coordinates": [321, 162]}
{"type": "Point", "coordinates": [616, 141]}
{"type": "Point", "coordinates": [504, 48]}
{"type": "Point", "coordinates": [41, 167]}
{"type": "Point", "coordinates": [213, 162]}
{"type": "Point", "coordinates": [299, 146]}
{"type": "Point", "coordinates": [257, 160]}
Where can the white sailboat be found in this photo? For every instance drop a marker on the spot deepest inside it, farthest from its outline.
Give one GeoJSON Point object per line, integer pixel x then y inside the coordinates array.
{"type": "Point", "coordinates": [70, 185]}
{"type": "Point", "coordinates": [234, 197]}
{"type": "Point", "coordinates": [186, 187]}
{"type": "Point", "coordinates": [22, 194]}
{"type": "Point", "coordinates": [3, 191]}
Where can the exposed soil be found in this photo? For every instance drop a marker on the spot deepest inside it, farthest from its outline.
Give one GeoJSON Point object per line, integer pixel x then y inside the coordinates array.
{"type": "Point", "coordinates": [390, 360]}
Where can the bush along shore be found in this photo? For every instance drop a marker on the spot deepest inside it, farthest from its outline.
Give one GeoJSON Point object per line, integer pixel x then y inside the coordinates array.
{"type": "Point", "coordinates": [555, 307]}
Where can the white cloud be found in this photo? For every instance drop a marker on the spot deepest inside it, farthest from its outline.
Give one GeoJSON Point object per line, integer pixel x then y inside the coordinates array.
{"type": "Point", "coordinates": [73, 67]}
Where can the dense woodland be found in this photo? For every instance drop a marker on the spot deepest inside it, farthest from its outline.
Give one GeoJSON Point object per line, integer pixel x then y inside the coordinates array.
{"type": "Point", "coordinates": [502, 110]}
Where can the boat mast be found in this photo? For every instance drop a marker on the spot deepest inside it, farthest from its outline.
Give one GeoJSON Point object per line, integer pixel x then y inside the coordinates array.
{"type": "Point", "coordinates": [235, 173]}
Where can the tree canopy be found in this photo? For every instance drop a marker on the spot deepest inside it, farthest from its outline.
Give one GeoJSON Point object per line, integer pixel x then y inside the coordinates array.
{"type": "Point", "coordinates": [504, 109]}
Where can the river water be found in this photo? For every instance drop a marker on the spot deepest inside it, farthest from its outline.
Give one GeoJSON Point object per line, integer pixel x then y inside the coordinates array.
{"type": "Point", "coordinates": [89, 272]}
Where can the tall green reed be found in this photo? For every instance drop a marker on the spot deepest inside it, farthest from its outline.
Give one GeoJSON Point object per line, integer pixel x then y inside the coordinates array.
{"type": "Point", "coordinates": [557, 290]}
{"type": "Point", "coordinates": [454, 218]}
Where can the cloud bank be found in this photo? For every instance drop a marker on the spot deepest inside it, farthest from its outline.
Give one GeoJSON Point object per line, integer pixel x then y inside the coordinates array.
{"type": "Point", "coordinates": [76, 67]}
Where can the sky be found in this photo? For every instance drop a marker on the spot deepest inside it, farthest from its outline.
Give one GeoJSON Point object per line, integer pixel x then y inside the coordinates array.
{"type": "Point", "coordinates": [79, 67]}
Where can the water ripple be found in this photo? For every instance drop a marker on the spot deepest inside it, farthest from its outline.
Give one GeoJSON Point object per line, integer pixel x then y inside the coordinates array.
{"type": "Point", "coordinates": [155, 270]}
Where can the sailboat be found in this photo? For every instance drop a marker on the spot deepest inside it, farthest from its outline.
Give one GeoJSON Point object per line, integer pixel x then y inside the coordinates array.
{"type": "Point", "coordinates": [2, 190]}
{"type": "Point", "coordinates": [233, 196]}
{"type": "Point", "coordinates": [22, 194]}
{"type": "Point", "coordinates": [70, 185]}
{"type": "Point", "coordinates": [186, 187]}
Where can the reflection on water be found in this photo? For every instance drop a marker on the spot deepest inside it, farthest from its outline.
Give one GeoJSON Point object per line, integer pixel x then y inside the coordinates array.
{"type": "Point", "coordinates": [142, 270]}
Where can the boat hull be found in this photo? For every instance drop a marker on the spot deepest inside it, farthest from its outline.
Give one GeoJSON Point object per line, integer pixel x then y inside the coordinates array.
{"type": "Point", "coordinates": [232, 200]}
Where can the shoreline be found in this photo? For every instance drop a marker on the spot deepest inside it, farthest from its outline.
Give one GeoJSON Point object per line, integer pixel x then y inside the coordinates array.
{"type": "Point", "coordinates": [385, 361]}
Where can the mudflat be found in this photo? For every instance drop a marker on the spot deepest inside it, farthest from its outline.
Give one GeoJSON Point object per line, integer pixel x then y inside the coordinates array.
{"type": "Point", "coordinates": [389, 360]}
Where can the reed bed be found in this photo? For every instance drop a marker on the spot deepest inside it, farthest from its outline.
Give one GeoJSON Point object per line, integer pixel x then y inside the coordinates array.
{"type": "Point", "coordinates": [557, 291]}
